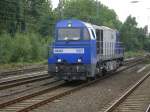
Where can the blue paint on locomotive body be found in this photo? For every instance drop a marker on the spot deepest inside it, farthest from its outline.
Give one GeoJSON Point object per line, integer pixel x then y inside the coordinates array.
{"type": "Point", "coordinates": [89, 46]}
{"type": "Point", "coordinates": [71, 58]}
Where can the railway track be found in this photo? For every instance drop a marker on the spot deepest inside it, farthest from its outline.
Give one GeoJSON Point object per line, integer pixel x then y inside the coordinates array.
{"type": "Point", "coordinates": [132, 60]}
{"type": "Point", "coordinates": [40, 68]}
{"type": "Point", "coordinates": [13, 81]}
{"type": "Point", "coordinates": [148, 109]}
{"type": "Point", "coordinates": [31, 94]}
{"type": "Point", "coordinates": [12, 93]}
{"type": "Point", "coordinates": [135, 99]}
{"type": "Point", "coordinates": [22, 71]}
{"type": "Point", "coordinates": [17, 81]}
{"type": "Point", "coordinates": [48, 94]}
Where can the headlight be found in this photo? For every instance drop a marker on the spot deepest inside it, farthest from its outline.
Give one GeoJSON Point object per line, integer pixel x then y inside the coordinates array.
{"type": "Point", "coordinates": [59, 60]}
{"type": "Point", "coordinates": [79, 60]}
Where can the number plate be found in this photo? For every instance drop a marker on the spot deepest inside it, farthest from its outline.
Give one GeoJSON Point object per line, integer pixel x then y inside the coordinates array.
{"type": "Point", "coordinates": [68, 50]}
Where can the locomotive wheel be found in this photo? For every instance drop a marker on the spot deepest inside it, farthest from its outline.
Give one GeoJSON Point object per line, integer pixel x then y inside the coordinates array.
{"type": "Point", "coordinates": [91, 78]}
{"type": "Point", "coordinates": [104, 71]}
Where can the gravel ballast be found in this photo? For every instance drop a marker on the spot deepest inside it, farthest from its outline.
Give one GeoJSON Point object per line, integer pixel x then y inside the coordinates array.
{"type": "Point", "coordinates": [93, 98]}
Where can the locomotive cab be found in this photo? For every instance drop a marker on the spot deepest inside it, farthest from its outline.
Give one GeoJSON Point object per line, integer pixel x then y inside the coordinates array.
{"type": "Point", "coordinates": [73, 52]}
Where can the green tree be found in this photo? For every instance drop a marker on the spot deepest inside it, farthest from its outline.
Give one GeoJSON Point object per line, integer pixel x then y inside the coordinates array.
{"type": "Point", "coordinates": [131, 35]}
{"type": "Point", "coordinates": [26, 15]}
{"type": "Point", "coordinates": [88, 10]}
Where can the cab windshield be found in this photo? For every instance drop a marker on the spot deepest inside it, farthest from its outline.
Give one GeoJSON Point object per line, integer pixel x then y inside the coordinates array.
{"type": "Point", "coordinates": [73, 34]}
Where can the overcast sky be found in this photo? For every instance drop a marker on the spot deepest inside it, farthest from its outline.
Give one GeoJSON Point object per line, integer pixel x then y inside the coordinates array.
{"type": "Point", "coordinates": [123, 8]}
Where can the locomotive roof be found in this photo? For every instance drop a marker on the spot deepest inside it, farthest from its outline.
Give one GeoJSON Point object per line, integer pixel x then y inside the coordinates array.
{"type": "Point", "coordinates": [73, 22]}
{"type": "Point", "coordinates": [79, 23]}
{"type": "Point", "coordinates": [102, 27]}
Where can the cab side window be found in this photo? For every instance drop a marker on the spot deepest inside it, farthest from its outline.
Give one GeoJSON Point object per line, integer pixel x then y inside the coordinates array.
{"type": "Point", "coordinates": [86, 34]}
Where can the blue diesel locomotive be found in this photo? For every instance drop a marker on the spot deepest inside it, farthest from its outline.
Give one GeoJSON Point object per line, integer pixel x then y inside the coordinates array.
{"type": "Point", "coordinates": [82, 50]}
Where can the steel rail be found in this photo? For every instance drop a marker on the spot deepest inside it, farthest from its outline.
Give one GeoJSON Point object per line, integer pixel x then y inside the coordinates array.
{"type": "Point", "coordinates": [22, 77]}
{"type": "Point", "coordinates": [26, 81]}
{"type": "Point", "coordinates": [148, 109]}
{"type": "Point", "coordinates": [127, 93]}
{"type": "Point", "coordinates": [49, 99]}
{"type": "Point", "coordinates": [27, 70]}
{"type": "Point", "coordinates": [56, 84]}
{"type": "Point", "coordinates": [18, 82]}
{"type": "Point", "coordinates": [21, 71]}
{"type": "Point", "coordinates": [29, 89]}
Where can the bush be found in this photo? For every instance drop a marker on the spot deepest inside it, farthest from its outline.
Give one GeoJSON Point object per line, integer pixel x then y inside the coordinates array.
{"type": "Point", "coordinates": [23, 48]}
{"type": "Point", "coordinates": [131, 54]}
{"type": "Point", "coordinates": [5, 48]}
